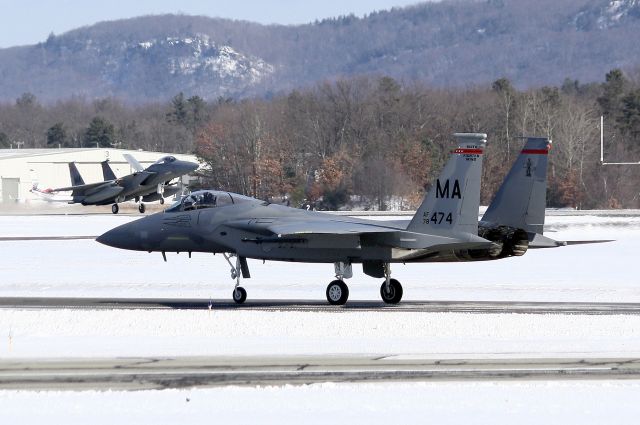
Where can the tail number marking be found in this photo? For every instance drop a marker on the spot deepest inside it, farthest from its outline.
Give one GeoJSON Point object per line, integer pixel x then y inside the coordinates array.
{"type": "Point", "coordinates": [442, 191]}
{"type": "Point", "coordinates": [436, 217]}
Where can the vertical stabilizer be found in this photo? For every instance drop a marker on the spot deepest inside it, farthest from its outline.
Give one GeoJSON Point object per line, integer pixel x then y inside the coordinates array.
{"type": "Point", "coordinates": [76, 178]}
{"type": "Point", "coordinates": [521, 200]}
{"type": "Point", "coordinates": [133, 162]}
{"type": "Point", "coordinates": [107, 172]}
{"type": "Point", "coordinates": [453, 201]}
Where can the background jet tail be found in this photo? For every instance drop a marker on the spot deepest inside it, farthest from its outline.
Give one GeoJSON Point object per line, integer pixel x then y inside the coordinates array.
{"type": "Point", "coordinates": [107, 172]}
{"type": "Point", "coordinates": [453, 201]}
{"type": "Point", "coordinates": [76, 178]}
{"type": "Point", "coordinates": [521, 200]}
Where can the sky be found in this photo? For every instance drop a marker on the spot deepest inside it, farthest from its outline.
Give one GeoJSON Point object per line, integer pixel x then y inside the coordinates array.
{"type": "Point", "coordinates": [31, 21]}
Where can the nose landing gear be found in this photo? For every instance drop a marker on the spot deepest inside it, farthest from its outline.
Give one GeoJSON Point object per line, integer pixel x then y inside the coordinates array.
{"type": "Point", "coordinates": [241, 268]}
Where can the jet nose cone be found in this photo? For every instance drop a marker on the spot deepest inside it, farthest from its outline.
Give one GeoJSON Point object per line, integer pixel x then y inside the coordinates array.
{"type": "Point", "coordinates": [188, 167]}
{"type": "Point", "coordinates": [117, 238]}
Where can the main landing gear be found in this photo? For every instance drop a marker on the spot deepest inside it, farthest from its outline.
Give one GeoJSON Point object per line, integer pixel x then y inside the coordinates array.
{"type": "Point", "coordinates": [115, 208]}
{"type": "Point", "coordinates": [240, 268]}
{"type": "Point", "coordinates": [391, 290]}
{"type": "Point", "coordinates": [338, 291]}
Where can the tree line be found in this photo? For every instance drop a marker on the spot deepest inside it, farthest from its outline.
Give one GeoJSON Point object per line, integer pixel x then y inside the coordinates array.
{"type": "Point", "coordinates": [364, 142]}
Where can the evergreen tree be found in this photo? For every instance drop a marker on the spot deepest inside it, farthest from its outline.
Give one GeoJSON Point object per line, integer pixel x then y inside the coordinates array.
{"type": "Point", "coordinates": [178, 115]}
{"type": "Point", "coordinates": [630, 118]}
{"type": "Point", "coordinates": [99, 133]}
{"type": "Point", "coordinates": [57, 135]}
{"type": "Point", "coordinates": [613, 89]}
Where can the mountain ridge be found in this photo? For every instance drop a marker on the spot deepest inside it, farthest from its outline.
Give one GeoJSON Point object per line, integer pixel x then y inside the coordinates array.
{"type": "Point", "coordinates": [446, 44]}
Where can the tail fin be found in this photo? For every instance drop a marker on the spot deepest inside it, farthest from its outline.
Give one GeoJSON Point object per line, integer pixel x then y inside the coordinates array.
{"type": "Point", "coordinates": [107, 172]}
{"type": "Point", "coordinates": [76, 178]}
{"type": "Point", "coordinates": [453, 201]}
{"type": "Point", "coordinates": [521, 200]}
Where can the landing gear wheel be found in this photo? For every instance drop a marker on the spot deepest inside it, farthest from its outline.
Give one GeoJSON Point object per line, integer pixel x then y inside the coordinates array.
{"type": "Point", "coordinates": [392, 294]}
{"type": "Point", "coordinates": [161, 201]}
{"type": "Point", "coordinates": [337, 292]}
{"type": "Point", "coordinates": [115, 208]}
{"type": "Point", "coordinates": [141, 208]}
{"type": "Point", "coordinates": [239, 295]}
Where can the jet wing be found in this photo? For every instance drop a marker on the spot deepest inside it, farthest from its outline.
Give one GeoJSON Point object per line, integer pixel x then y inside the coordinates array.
{"type": "Point", "coordinates": [84, 188]}
{"type": "Point", "coordinates": [134, 179]}
{"type": "Point", "coordinates": [276, 226]}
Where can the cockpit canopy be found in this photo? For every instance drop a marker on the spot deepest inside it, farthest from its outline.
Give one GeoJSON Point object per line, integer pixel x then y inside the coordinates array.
{"type": "Point", "coordinates": [207, 199]}
{"type": "Point", "coordinates": [165, 160]}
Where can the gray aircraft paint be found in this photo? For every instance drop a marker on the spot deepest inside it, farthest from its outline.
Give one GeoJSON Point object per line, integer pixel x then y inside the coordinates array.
{"type": "Point", "coordinates": [521, 200]}
{"type": "Point", "coordinates": [452, 203]}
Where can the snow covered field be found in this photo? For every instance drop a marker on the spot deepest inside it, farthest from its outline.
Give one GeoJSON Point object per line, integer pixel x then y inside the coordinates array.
{"type": "Point", "coordinates": [600, 272]}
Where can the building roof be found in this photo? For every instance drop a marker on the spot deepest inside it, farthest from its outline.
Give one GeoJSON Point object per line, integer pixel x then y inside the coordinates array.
{"type": "Point", "coordinates": [27, 153]}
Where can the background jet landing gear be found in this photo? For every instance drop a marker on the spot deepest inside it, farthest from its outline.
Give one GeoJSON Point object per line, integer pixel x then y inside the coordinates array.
{"type": "Point", "coordinates": [115, 208]}
{"type": "Point", "coordinates": [141, 208]}
{"type": "Point", "coordinates": [338, 291]}
{"type": "Point", "coordinates": [239, 293]}
{"type": "Point", "coordinates": [391, 290]}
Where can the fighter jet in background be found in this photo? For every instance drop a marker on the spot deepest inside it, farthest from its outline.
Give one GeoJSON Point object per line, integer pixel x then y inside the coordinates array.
{"type": "Point", "coordinates": [147, 185]}
{"type": "Point", "coordinates": [445, 228]}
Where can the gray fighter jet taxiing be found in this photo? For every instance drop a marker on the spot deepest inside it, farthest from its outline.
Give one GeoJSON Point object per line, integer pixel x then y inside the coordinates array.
{"type": "Point", "coordinates": [445, 228]}
{"type": "Point", "coordinates": [146, 185]}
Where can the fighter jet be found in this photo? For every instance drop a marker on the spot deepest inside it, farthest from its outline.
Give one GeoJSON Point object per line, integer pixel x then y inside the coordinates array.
{"type": "Point", "coordinates": [150, 184]}
{"type": "Point", "coordinates": [444, 228]}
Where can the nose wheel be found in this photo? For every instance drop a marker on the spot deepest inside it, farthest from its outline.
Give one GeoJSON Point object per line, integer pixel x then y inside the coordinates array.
{"type": "Point", "coordinates": [239, 295]}
{"type": "Point", "coordinates": [115, 208]}
{"type": "Point", "coordinates": [141, 208]}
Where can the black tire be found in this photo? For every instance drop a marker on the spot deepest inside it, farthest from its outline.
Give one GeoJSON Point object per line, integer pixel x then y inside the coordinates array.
{"type": "Point", "coordinates": [141, 208]}
{"type": "Point", "coordinates": [394, 294]}
{"type": "Point", "coordinates": [239, 295]}
{"type": "Point", "coordinates": [337, 292]}
{"type": "Point", "coordinates": [115, 208]}
{"type": "Point", "coordinates": [161, 201]}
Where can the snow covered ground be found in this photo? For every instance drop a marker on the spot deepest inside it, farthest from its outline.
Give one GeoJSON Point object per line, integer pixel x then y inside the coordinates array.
{"type": "Point", "coordinates": [600, 272]}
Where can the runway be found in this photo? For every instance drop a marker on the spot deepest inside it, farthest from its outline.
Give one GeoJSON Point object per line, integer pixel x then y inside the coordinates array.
{"type": "Point", "coordinates": [181, 372]}
{"type": "Point", "coordinates": [476, 307]}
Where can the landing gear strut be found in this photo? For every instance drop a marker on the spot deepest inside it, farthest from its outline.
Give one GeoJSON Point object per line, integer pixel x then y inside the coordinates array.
{"type": "Point", "coordinates": [338, 291]}
{"type": "Point", "coordinates": [240, 268]}
{"type": "Point", "coordinates": [391, 290]}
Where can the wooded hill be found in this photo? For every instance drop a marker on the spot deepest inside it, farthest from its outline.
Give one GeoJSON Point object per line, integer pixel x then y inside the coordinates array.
{"type": "Point", "coordinates": [443, 44]}
{"type": "Point", "coordinates": [364, 142]}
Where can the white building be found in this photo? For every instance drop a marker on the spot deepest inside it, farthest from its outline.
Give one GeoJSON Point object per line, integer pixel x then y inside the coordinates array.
{"type": "Point", "coordinates": [20, 169]}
